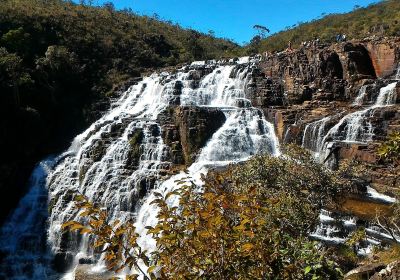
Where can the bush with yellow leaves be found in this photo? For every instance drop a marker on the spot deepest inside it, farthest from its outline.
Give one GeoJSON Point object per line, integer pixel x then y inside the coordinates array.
{"type": "Point", "coordinates": [250, 221]}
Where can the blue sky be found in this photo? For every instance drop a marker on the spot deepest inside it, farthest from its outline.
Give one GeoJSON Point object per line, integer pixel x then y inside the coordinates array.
{"type": "Point", "coordinates": [234, 19]}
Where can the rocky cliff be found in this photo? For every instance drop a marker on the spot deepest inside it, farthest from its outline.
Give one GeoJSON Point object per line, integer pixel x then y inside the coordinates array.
{"type": "Point", "coordinates": [314, 93]}
{"type": "Point", "coordinates": [298, 87]}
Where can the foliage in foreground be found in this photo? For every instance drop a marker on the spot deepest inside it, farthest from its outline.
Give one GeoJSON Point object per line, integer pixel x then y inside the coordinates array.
{"type": "Point", "coordinates": [389, 151]}
{"type": "Point", "coordinates": [250, 221]}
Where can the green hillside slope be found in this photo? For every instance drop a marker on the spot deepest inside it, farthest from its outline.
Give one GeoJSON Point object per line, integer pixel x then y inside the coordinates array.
{"type": "Point", "coordinates": [382, 18]}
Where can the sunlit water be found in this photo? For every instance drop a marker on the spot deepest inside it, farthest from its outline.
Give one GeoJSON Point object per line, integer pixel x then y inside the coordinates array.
{"type": "Point", "coordinates": [98, 164]}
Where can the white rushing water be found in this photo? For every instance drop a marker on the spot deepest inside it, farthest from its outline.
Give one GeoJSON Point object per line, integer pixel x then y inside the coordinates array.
{"type": "Point", "coordinates": [361, 96]}
{"type": "Point", "coordinates": [22, 236]}
{"type": "Point", "coordinates": [245, 133]}
{"type": "Point", "coordinates": [100, 163]}
{"type": "Point", "coordinates": [314, 134]}
{"type": "Point", "coordinates": [355, 127]}
{"type": "Point", "coordinates": [336, 228]}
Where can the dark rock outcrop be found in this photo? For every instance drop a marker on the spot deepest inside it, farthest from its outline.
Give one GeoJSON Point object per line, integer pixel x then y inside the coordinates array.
{"type": "Point", "coordinates": [295, 89]}
{"type": "Point", "coordinates": [187, 129]}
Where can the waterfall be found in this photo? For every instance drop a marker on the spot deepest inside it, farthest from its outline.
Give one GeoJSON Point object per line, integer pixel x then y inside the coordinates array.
{"type": "Point", "coordinates": [314, 134]}
{"type": "Point", "coordinates": [361, 96]}
{"type": "Point", "coordinates": [23, 235]}
{"type": "Point", "coordinates": [355, 127]}
{"type": "Point", "coordinates": [245, 133]}
{"type": "Point", "coordinates": [335, 228]}
{"type": "Point", "coordinates": [122, 157]}
{"type": "Point", "coordinates": [397, 77]}
{"type": "Point", "coordinates": [387, 96]}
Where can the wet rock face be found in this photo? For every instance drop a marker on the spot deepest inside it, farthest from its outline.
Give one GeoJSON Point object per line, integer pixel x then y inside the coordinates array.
{"type": "Point", "coordinates": [294, 77]}
{"type": "Point", "coordinates": [135, 140]}
{"type": "Point", "coordinates": [364, 272]}
{"type": "Point", "coordinates": [326, 73]}
{"type": "Point", "coordinates": [63, 261]}
{"type": "Point", "coordinates": [84, 272]}
{"type": "Point", "coordinates": [187, 129]}
{"type": "Point", "coordinates": [375, 271]}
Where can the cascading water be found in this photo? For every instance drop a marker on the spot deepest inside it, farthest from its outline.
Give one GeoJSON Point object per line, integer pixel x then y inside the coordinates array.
{"type": "Point", "coordinates": [354, 127]}
{"type": "Point", "coordinates": [105, 164]}
{"type": "Point", "coordinates": [314, 134]}
{"type": "Point", "coordinates": [361, 96]}
{"type": "Point", "coordinates": [245, 133]}
{"type": "Point", "coordinates": [23, 236]}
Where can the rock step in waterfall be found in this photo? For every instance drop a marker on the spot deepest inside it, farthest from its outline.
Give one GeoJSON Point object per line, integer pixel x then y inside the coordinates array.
{"type": "Point", "coordinates": [397, 76]}
{"type": "Point", "coordinates": [122, 157]}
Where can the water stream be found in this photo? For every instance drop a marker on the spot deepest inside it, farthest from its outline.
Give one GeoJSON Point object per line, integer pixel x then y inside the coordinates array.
{"type": "Point", "coordinates": [121, 159]}
{"type": "Point", "coordinates": [355, 127]}
{"type": "Point", "coordinates": [102, 164]}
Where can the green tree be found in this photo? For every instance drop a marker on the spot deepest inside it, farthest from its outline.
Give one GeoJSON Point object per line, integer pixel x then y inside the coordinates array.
{"type": "Point", "coordinates": [390, 149]}
{"type": "Point", "coordinates": [262, 30]}
{"type": "Point", "coordinates": [12, 74]}
{"type": "Point", "coordinates": [16, 41]}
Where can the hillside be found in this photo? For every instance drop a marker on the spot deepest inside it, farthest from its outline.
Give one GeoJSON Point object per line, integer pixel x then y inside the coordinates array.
{"type": "Point", "coordinates": [382, 19]}
{"type": "Point", "coordinates": [60, 61]}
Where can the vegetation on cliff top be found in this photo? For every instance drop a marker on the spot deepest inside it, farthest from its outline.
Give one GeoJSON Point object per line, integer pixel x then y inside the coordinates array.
{"type": "Point", "coordinates": [110, 45]}
{"type": "Point", "coordinates": [382, 18]}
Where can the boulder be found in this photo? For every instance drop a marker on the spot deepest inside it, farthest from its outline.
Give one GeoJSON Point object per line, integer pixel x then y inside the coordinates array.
{"type": "Point", "coordinates": [391, 272]}
{"type": "Point", "coordinates": [187, 129]}
{"type": "Point", "coordinates": [63, 261]}
{"type": "Point", "coordinates": [364, 272]}
{"type": "Point", "coordinates": [84, 272]}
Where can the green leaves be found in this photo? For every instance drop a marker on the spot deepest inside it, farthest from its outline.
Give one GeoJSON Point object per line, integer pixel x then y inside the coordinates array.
{"type": "Point", "coordinates": [390, 150]}
{"type": "Point", "coordinates": [245, 224]}
{"type": "Point", "coordinates": [307, 270]}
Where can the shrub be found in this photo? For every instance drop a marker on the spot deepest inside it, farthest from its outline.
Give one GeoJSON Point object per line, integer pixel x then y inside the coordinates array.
{"type": "Point", "coordinates": [250, 221]}
{"type": "Point", "coordinates": [390, 150]}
